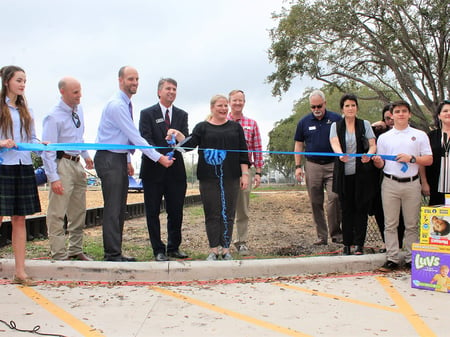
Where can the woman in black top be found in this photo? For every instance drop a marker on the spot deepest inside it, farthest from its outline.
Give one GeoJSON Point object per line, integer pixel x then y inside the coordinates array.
{"type": "Point", "coordinates": [436, 181]}
{"type": "Point", "coordinates": [220, 134]}
{"type": "Point", "coordinates": [352, 175]}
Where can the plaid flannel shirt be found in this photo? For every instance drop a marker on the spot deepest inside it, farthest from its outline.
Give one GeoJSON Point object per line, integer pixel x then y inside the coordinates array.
{"type": "Point", "coordinates": [253, 139]}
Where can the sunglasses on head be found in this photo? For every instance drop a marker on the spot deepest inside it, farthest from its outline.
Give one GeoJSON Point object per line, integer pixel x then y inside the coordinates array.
{"type": "Point", "coordinates": [446, 101]}
{"type": "Point", "coordinates": [317, 106]}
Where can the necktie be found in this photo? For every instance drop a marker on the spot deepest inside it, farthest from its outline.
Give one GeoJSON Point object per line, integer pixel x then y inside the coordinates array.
{"type": "Point", "coordinates": [130, 108]}
{"type": "Point", "coordinates": [76, 119]}
{"type": "Point", "coordinates": [167, 119]}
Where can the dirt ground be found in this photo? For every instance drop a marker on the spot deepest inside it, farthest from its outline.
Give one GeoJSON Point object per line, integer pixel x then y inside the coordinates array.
{"type": "Point", "coordinates": [280, 225]}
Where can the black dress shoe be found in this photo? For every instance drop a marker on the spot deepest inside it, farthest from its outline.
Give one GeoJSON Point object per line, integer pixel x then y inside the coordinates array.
{"type": "Point", "coordinates": [336, 240]}
{"type": "Point", "coordinates": [121, 258]}
{"type": "Point", "coordinates": [128, 259]}
{"type": "Point", "coordinates": [161, 257]}
{"type": "Point", "coordinates": [346, 250]}
{"type": "Point", "coordinates": [359, 250]}
{"type": "Point", "coordinates": [178, 254]}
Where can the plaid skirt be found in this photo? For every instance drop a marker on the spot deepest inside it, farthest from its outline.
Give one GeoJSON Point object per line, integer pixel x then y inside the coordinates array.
{"type": "Point", "coordinates": [18, 190]}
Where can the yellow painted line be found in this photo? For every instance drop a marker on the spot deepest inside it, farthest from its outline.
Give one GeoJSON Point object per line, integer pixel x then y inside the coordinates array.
{"type": "Point", "coordinates": [230, 313]}
{"type": "Point", "coordinates": [336, 297]}
{"type": "Point", "coordinates": [406, 309]}
{"type": "Point", "coordinates": [63, 315]}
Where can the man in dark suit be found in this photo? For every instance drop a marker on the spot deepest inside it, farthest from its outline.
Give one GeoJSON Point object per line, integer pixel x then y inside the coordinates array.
{"type": "Point", "coordinates": [157, 180]}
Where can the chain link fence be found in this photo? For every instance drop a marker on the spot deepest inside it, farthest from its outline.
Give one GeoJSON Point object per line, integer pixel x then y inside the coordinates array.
{"type": "Point", "coordinates": [373, 236]}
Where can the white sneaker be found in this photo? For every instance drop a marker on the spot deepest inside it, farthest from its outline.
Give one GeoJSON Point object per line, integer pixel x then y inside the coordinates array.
{"type": "Point", "coordinates": [243, 250]}
{"type": "Point", "coordinates": [227, 256]}
{"type": "Point", "coordinates": [212, 257]}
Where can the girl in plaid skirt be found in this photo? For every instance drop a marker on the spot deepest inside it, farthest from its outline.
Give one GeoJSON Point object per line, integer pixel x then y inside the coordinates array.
{"type": "Point", "coordinates": [18, 191]}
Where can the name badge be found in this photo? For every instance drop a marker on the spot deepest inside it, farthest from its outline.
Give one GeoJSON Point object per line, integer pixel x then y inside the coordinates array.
{"type": "Point", "coordinates": [159, 120]}
{"type": "Point", "coordinates": [312, 128]}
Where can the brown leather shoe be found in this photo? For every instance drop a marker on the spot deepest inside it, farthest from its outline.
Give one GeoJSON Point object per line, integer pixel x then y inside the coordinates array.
{"type": "Point", "coordinates": [320, 243]}
{"type": "Point", "coordinates": [26, 282]}
{"type": "Point", "coordinates": [80, 257]}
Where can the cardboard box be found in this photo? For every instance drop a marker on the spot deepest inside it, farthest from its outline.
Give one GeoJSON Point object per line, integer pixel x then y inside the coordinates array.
{"type": "Point", "coordinates": [435, 225]}
{"type": "Point", "coordinates": [430, 267]}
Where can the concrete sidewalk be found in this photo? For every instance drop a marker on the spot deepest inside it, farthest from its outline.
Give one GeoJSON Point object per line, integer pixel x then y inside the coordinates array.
{"type": "Point", "coordinates": [192, 270]}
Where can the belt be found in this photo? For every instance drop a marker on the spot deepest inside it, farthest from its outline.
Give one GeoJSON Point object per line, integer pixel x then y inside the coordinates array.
{"type": "Point", "coordinates": [320, 162]}
{"type": "Point", "coordinates": [73, 158]}
{"type": "Point", "coordinates": [402, 180]}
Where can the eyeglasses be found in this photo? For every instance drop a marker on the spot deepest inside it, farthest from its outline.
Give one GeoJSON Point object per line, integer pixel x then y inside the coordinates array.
{"type": "Point", "coordinates": [76, 119]}
{"type": "Point", "coordinates": [317, 106]}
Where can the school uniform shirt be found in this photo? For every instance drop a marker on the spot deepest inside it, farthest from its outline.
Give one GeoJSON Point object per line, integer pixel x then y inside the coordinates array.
{"type": "Point", "coordinates": [14, 157]}
{"type": "Point", "coordinates": [410, 141]}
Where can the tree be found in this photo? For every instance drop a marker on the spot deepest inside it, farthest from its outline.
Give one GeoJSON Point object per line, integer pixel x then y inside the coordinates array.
{"type": "Point", "coordinates": [37, 160]}
{"type": "Point", "coordinates": [394, 47]}
{"type": "Point", "coordinates": [281, 138]}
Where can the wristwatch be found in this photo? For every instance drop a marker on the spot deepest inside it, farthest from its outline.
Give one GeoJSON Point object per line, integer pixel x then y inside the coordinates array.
{"type": "Point", "coordinates": [413, 159]}
{"type": "Point", "coordinates": [298, 166]}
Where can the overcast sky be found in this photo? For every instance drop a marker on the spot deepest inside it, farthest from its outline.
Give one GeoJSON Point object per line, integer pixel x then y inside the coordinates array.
{"type": "Point", "coordinates": [208, 46]}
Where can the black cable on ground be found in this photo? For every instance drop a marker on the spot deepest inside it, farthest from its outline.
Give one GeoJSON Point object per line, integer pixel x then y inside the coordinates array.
{"type": "Point", "coordinates": [35, 330]}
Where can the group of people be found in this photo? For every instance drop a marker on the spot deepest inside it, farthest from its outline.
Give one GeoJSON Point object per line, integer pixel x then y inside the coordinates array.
{"type": "Point", "coordinates": [400, 152]}
{"type": "Point", "coordinates": [225, 177]}
{"type": "Point", "coordinates": [381, 169]}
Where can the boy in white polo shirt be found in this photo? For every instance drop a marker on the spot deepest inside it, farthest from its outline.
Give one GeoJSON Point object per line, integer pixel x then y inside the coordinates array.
{"type": "Point", "coordinates": [401, 184]}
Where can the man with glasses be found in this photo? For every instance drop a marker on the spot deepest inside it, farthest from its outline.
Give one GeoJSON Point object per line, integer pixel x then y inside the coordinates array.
{"type": "Point", "coordinates": [65, 173]}
{"type": "Point", "coordinates": [312, 135]}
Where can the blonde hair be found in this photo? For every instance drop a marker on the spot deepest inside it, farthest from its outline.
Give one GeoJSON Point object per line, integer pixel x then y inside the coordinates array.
{"type": "Point", "coordinates": [215, 98]}
{"type": "Point", "coordinates": [237, 91]}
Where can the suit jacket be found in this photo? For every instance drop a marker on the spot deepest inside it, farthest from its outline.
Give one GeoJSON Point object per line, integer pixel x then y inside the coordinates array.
{"type": "Point", "coordinates": [153, 128]}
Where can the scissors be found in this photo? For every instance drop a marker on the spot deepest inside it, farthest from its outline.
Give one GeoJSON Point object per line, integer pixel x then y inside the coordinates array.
{"type": "Point", "coordinates": [176, 147]}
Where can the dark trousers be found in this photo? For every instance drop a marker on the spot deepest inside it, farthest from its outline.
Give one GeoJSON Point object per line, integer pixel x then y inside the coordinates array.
{"type": "Point", "coordinates": [354, 214]}
{"type": "Point", "coordinates": [113, 171]}
{"type": "Point", "coordinates": [174, 192]}
{"type": "Point", "coordinates": [219, 232]}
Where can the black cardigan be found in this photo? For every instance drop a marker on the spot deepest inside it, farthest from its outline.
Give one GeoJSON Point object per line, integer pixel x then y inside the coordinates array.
{"type": "Point", "coordinates": [434, 170]}
{"type": "Point", "coordinates": [228, 136]}
{"type": "Point", "coordinates": [365, 172]}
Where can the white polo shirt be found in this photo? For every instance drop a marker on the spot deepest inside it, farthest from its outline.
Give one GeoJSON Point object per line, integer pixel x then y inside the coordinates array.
{"type": "Point", "coordinates": [410, 141]}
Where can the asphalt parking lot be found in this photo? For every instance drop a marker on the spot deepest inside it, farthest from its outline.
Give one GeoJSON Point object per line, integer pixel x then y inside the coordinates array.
{"type": "Point", "coordinates": [357, 304]}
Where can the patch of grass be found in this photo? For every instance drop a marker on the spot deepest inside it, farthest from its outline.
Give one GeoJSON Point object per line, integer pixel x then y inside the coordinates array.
{"type": "Point", "coordinates": [284, 187]}
{"type": "Point", "coordinates": [195, 211]}
{"type": "Point", "coordinates": [93, 247]}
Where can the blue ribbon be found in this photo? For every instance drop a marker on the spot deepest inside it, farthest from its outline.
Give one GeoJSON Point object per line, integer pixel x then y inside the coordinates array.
{"type": "Point", "coordinates": [215, 158]}
{"type": "Point", "coordinates": [96, 146]}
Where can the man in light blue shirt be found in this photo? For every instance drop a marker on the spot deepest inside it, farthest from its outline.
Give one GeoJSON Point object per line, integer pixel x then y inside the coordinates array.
{"type": "Point", "coordinates": [66, 175]}
{"type": "Point", "coordinates": [113, 166]}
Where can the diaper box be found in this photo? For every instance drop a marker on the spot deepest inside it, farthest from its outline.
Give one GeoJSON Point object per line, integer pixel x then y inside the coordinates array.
{"type": "Point", "coordinates": [430, 267]}
{"type": "Point", "coordinates": [435, 225]}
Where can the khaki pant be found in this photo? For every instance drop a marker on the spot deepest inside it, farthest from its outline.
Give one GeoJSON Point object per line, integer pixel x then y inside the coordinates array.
{"type": "Point", "coordinates": [242, 209]}
{"type": "Point", "coordinates": [71, 203]}
{"type": "Point", "coordinates": [407, 197]}
{"type": "Point", "coordinates": [319, 177]}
